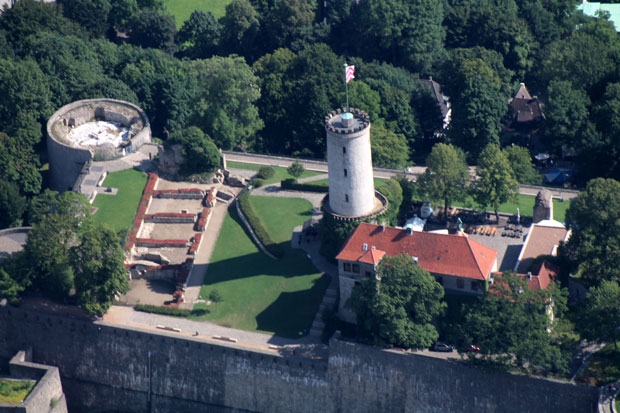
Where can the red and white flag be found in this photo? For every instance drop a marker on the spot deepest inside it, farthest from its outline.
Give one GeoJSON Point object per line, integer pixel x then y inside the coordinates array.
{"type": "Point", "coordinates": [350, 73]}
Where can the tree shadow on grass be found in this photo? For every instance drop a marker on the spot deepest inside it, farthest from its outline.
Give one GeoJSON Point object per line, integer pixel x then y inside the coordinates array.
{"type": "Point", "coordinates": [293, 312]}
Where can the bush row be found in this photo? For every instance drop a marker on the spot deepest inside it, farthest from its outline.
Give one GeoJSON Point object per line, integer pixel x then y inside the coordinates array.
{"type": "Point", "coordinates": [257, 225]}
{"type": "Point", "coordinates": [176, 312]}
{"type": "Point", "coordinates": [296, 186]}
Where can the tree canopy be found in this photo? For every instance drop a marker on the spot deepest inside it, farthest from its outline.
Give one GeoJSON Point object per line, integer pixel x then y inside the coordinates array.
{"type": "Point", "coordinates": [199, 152]}
{"type": "Point", "coordinates": [399, 306]}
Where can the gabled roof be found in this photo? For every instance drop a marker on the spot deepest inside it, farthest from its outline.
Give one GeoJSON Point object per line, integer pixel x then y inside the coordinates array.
{"type": "Point", "coordinates": [525, 108]}
{"type": "Point", "coordinates": [436, 253]}
{"type": "Point", "coordinates": [522, 93]}
{"type": "Point", "coordinates": [541, 277]}
{"type": "Point", "coordinates": [542, 239]}
{"type": "Point", "coordinates": [442, 100]}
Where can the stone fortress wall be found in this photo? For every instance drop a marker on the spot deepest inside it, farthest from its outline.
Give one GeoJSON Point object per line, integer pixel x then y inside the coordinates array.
{"type": "Point", "coordinates": [66, 160]}
{"type": "Point", "coordinates": [105, 367]}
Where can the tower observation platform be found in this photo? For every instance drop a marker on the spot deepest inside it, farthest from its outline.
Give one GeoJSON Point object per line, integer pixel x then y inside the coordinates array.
{"type": "Point", "coordinates": [352, 192]}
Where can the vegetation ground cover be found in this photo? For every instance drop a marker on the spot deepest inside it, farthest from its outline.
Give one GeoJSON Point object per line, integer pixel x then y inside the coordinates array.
{"type": "Point", "coordinates": [261, 294]}
{"type": "Point", "coordinates": [603, 367]}
{"type": "Point", "coordinates": [277, 177]}
{"type": "Point", "coordinates": [525, 204]}
{"type": "Point", "coordinates": [117, 211]}
{"type": "Point", "coordinates": [182, 9]}
{"type": "Point", "coordinates": [15, 391]}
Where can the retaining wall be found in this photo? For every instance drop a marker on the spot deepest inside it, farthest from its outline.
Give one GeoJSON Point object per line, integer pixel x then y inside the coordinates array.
{"type": "Point", "coordinates": [105, 367]}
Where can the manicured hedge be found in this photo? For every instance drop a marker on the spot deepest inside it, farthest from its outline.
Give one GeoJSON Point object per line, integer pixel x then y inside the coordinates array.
{"type": "Point", "coordinates": [266, 172]}
{"type": "Point", "coordinates": [176, 312]}
{"type": "Point", "coordinates": [258, 182]}
{"type": "Point", "coordinates": [292, 184]}
{"type": "Point", "coordinates": [258, 226]}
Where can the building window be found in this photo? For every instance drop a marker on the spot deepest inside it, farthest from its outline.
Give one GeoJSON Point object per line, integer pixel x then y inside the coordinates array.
{"type": "Point", "coordinates": [368, 274]}
{"type": "Point", "coordinates": [344, 150]}
{"type": "Point", "coordinates": [460, 283]}
{"type": "Point", "coordinates": [345, 173]}
{"type": "Point", "coordinates": [474, 285]}
{"type": "Point", "coordinates": [356, 268]}
{"type": "Point", "coordinates": [346, 266]}
{"type": "Point", "coordinates": [440, 280]}
{"type": "Point", "coordinates": [346, 197]}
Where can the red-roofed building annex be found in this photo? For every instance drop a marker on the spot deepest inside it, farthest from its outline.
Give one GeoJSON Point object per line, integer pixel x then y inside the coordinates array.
{"type": "Point", "coordinates": [457, 262]}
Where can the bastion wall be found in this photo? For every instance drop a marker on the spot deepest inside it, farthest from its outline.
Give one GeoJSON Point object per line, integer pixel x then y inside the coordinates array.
{"type": "Point", "coordinates": [105, 367]}
{"type": "Point", "coordinates": [66, 160]}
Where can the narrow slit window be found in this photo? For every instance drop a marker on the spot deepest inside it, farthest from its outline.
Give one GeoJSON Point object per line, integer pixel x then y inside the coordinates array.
{"type": "Point", "coordinates": [346, 173]}
{"type": "Point", "coordinates": [346, 197]}
{"type": "Point", "coordinates": [344, 149]}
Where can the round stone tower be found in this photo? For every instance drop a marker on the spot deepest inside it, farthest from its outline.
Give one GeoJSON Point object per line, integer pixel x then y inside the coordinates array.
{"type": "Point", "coordinates": [351, 185]}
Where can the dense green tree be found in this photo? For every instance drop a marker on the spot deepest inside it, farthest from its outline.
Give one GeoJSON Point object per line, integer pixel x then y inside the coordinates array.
{"type": "Point", "coordinates": [121, 14]}
{"type": "Point", "coordinates": [520, 162]}
{"type": "Point", "coordinates": [92, 15]}
{"type": "Point", "coordinates": [296, 169]}
{"type": "Point", "coordinates": [108, 88]}
{"type": "Point", "coordinates": [19, 165]}
{"type": "Point", "coordinates": [362, 96]}
{"type": "Point", "coordinates": [399, 306]}
{"type": "Point", "coordinates": [334, 232]}
{"type": "Point", "coordinates": [389, 149]}
{"type": "Point", "coordinates": [496, 181]}
{"type": "Point", "coordinates": [512, 326]}
{"type": "Point", "coordinates": [97, 262]}
{"type": "Point", "coordinates": [403, 32]}
{"type": "Point", "coordinates": [566, 114]}
{"type": "Point", "coordinates": [594, 245]}
{"type": "Point", "coordinates": [224, 108]}
{"type": "Point", "coordinates": [200, 35]}
{"type": "Point", "coordinates": [200, 154]}
{"type": "Point", "coordinates": [9, 288]}
{"type": "Point", "coordinates": [286, 21]}
{"type": "Point", "coordinates": [478, 103]}
{"type": "Point", "coordinates": [391, 189]}
{"type": "Point", "coordinates": [409, 189]}
{"type": "Point", "coordinates": [12, 204]}
{"type": "Point", "coordinates": [602, 155]}
{"type": "Point", "coordinates": [446, 176]}
{"type": "Point", "coordinates": [28, 17]}
{"type": "Point", "coordinates": [240, 29]}
{"type": "Point", "coordinates": [153, 29]}
{"type": "Point", "coordinates": [603, 312]}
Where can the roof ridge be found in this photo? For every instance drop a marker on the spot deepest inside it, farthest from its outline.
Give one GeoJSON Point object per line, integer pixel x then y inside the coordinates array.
{"type": "Point", "coordinates": [471, 249]}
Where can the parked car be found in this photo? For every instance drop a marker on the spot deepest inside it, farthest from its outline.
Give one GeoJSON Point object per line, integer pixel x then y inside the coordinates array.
{"type": "Point", "coordinates": [471, 347]}
{"type": "Point", "coordinates": [443, 347]}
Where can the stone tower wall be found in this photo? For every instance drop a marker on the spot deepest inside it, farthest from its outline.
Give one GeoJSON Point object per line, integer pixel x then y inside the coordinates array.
{"type": "Point", "coordinates": [354, 194]}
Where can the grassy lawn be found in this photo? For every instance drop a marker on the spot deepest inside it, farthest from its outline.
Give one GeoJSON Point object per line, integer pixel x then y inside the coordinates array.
{"type": "Point", "coordinates": [604, 367]}
{"type": "Point", "coordinates": [279, 175]}
{"type": "Point", "coordinates": [182, 9]}
{"type": "Point", "coordinates": [260, 294]}
{"type": "Point", "coordinates": [14, 391]}
{"type": "Point", "coordinates": [525, 204]}
{"type": "Point", "coordinates": [117, 211]}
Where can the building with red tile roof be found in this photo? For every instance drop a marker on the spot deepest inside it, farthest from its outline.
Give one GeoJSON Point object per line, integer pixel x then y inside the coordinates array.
{"type": "Point", "coordinates": [459, 263]}
{"type": "Point", "coordinates": [543, 238]}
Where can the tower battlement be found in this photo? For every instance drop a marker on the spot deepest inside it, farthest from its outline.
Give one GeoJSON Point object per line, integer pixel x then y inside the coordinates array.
{"type": "Point", "coordinates": [343, 122]}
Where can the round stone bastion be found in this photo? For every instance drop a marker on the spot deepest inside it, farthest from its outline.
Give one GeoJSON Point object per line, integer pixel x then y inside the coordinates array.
{"type": "Point", "coordinates": [92, 130]}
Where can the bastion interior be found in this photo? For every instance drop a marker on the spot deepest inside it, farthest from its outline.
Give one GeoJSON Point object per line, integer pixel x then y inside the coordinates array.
{"type": "Point", "coordinates": [92, 130]}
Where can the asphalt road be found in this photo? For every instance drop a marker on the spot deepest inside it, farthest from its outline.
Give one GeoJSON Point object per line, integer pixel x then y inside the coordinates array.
{"type": "Point", "coordinates": [412, 172]}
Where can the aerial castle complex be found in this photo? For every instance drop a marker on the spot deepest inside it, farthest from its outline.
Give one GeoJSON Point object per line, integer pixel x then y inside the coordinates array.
{"type": "Point", "coordinates": [352, 193]}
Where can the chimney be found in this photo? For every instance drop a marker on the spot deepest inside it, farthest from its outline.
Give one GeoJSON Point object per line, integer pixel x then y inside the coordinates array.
{"type": "Point", "coordinates": [529, 275]}
{"type": "Point", "coordinates": [409, 231]}
{"type": "Point", "coordinates": [382, 226]}
{"type": "Point", "coordinates": [415, 259]}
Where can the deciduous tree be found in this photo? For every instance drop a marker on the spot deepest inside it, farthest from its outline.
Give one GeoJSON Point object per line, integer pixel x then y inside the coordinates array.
{"type": "Point", "coordinates": [496, 181]}
{"type": "Point", "coordinates": [296, 169]}
{"type": "Point", "coordinates": [12, 204]}
{"type": "Point", "coordinates": [389, 149]}
{"type": "Point", "coordinates": [521, 163]}
{"type": "Point", "coordinates": [200, 154]}
{"type": "Point", "coordinates": [399, 306]}
{"type": "Point", "coordinates": [446, 176]}
{"type": "Point", "coordinates": [594, 245]}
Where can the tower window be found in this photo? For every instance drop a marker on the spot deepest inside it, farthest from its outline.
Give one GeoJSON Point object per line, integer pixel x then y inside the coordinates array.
{"type": "Point", "coordinates": [346, 173]}
{"type": "Point", "coordinates": [344, 149]}
{"type": "Point", "coordinates": [346, 197]}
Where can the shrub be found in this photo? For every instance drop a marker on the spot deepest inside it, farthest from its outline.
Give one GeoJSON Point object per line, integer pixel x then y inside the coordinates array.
{"type": "Point", "coordinates": [257, 225]}
{"type": "Point", "coordinates": [266, 172]}
{"type": "Point", "coordinates": [292, 184]}
{"type": "Point", "coordinates": [296, 169]}
{"type": "Point", "coordinates": [257, 182]}
{"type": "Point", "coordinates": [176, 312]}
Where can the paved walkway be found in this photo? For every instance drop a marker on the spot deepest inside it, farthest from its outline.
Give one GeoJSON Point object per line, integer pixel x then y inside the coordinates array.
{"type": "Point", "coordinates": [201, 260]}
{"type": "Point", "coordinates": [412, 172]}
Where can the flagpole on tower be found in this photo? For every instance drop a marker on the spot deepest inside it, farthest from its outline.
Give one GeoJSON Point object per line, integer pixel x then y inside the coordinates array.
{"type": "Point", "coordinates": [346, 84]}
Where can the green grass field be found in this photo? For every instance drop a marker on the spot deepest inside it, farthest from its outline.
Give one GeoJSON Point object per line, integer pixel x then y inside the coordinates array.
{"type": "Point", "coordinates": [117, 211]}
{"type": "Point", "coordinates": [182, 9]}
{"type": "Point", "coordinates": [260, 294]}
{"type": "Point", "coordinates": [14, 391]}
{"type": "Point", "coordinates": [279, 175]}
{"type": "Point", "coordinates": [525, 205]}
